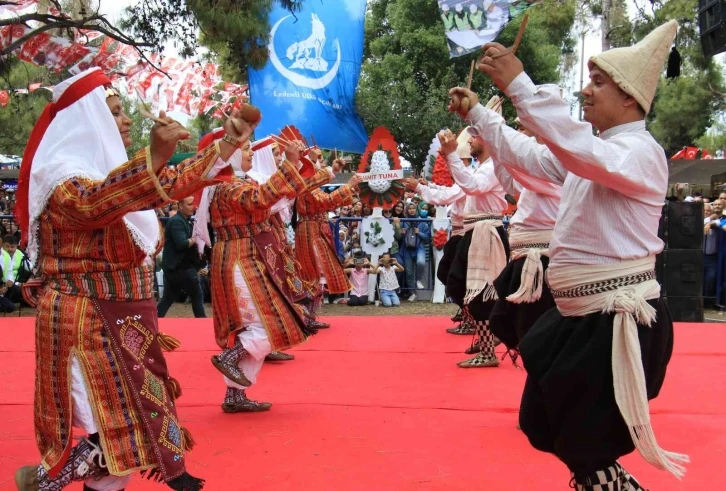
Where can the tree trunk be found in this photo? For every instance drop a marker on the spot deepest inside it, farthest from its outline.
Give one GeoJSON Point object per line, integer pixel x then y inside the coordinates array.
{"type": "Point", "coordinates": [605, 26]}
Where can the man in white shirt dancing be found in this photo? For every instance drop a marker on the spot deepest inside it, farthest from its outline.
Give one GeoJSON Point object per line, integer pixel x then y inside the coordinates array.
{"type": "Point", "coordinates": [482, 253]}
{"type": "Point", "coordinates": [523, 297]}
{"type": "Point", "coordinates": [594, 361]}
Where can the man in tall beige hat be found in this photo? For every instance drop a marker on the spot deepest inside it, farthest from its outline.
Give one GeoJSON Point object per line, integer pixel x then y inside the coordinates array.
{"type": "Point", "coordinates": [483, 250]}
{"type": "Point", "coordinates": [595, 360]}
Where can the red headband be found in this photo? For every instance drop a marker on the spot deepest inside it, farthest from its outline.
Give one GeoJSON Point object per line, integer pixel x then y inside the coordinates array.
{"type": "Point", "coordinates": [74, 93]}
{"type": "Point", "coordinates": [210, 138]}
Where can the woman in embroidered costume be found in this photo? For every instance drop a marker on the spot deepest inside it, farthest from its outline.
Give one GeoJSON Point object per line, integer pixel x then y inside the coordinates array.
{"type": "Point", "coordinates": [314, 245]}
{"type": "Point", "coordinates": [92, 230]}
{"type": "Point", "coordinates": [282, 213]}
{"type": "Point", "coordinates": [595, 360]}
{"type": "Point", "coordinates": [255, 288]}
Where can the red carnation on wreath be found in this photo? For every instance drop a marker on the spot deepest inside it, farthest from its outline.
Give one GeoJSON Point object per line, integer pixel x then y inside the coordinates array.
{"type": "Point", "coordinates": [441, 237]}
{"type": "Point", "coordinates": [441, 174]}
{"type": "Point", "coordinates": [381, 155]}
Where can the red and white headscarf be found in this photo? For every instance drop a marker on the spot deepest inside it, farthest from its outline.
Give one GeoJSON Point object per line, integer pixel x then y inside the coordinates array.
{"type": "Point", "coordinates": [76, 136]}
{"type": "Point", "coordinates": [200, 233]}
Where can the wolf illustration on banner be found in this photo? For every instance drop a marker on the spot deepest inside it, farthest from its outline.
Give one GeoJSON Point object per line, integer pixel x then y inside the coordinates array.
{"type": "Point", "coordinates": [308, 54]}
{"type": "Point", "coordinates": [304, 81]}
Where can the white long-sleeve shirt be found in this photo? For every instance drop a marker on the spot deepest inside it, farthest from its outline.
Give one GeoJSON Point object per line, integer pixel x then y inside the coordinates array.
{"type": "Point", "coordinates": [483, 192]}
{"type": "Point", "coordinates": [614, 186]}
{"type": "Point", "coordinates": [539, 201]}
{"type": "Point", "coordinates": [452, 196]}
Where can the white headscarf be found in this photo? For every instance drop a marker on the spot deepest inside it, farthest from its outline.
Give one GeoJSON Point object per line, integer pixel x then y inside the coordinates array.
{"type": "Point", "coordinates": [83, 140]}
{"type": "Point", "coordinates": [263, 166]}
{"type": "Point", "coordinates": [263, 161]}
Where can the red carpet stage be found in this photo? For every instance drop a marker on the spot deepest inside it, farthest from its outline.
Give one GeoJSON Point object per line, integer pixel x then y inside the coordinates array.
{"type": "Point", "coordinates": [378, 403]}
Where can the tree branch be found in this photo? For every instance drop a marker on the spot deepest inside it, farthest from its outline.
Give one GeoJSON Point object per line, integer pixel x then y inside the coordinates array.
{"type": "Point", "coordinates": [95, 22]}
{"type": "Point", "coordinates": [716, 92]}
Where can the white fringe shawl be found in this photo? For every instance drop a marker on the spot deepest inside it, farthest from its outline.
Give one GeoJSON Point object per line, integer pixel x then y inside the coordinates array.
{"type": "Point", "coordinates": [486, 259]}
{"type": "Point", "coordinates": [530, 287]}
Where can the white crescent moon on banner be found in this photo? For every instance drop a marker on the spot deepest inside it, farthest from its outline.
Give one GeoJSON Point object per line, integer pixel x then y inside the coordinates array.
{"type": "Point", "coordinates": [296, 78]}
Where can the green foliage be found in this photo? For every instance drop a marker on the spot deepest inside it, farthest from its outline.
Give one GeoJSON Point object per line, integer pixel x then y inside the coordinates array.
{"type": "Point", "coordinates": [140, 126]}
{"type": "Point", "coordinates": [237, 31]}
{"type": "Point", "coordinates": [684, 110]}
{"type": "Point", "coordinates": [686, 107]}
{"type": "Point", "coordinates": [19, 116]}
{"type": "Point", "coordinates": [407, 72]}
{"type": "Point", "coordinates": [201, 125]}
{"type": "Point", "coordinates": [714, 139]}
{"type": "Point", "coordinates": [621, 27]}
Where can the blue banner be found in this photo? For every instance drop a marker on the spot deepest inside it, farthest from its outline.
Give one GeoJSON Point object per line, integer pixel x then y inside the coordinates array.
{"type": "Point", "coordinates": [312, 74]}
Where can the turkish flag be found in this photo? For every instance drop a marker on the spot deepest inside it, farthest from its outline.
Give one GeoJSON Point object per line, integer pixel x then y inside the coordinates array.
{"type": "Point", "coordinates": [691, 153]}
{"type": "Point", "coordinates": [4, 98]}
{"type": "Point", "coordinates": [680, 154]}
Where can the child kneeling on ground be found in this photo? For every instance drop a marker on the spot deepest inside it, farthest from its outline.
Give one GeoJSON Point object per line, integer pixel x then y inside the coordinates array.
{"type": "Point", "coordinates": [388, 284]}
{"type": "Point", "coordinates": [359, 268]}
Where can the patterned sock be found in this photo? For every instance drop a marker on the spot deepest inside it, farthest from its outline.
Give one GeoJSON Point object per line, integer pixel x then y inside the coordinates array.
{"type": "Point", "coordinates": [612, 478]}
{"type": "Point", "coordinates": [232, 356]}
{"type": "Point", "coordinates": [483, 337]}
{"type": "Point", "coordinates": [231, 396]}
{"type": "Point", "coordinates": [86, 460]}
{"type": "Point", "coordinates": [629, 483]}
{"type": "Point", "coordinates": [487, 340]}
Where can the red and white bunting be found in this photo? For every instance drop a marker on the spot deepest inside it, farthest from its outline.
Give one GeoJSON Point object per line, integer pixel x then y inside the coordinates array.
{"type": "Point", "coordinates": [190, 86]}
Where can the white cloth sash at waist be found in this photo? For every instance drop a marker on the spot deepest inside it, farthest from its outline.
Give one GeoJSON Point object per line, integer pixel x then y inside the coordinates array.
{"type": "Point", "coordinates": [583, 290]}
{"type": "Point", "coordinates": [524, 244]}
{"type": "Point", "coordinates": [486, 256]}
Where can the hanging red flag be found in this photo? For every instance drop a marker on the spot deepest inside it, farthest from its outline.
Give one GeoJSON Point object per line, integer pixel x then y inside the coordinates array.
{"type": "Point", "coordinates": [680, 154]}
{"type": "Point", "coordinates": [691, 153]}
{"type": "Point", "coordinates": [4, 98]}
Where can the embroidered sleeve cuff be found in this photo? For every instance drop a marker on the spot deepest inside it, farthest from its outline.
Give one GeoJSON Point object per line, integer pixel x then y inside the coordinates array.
{"type": "Point", "coordinates": [219, 170]}
{"type": "Point", "coordinates": [294, 179]}
{"type": "Point", "coordinates": [154, 177]}
{"type": "Point", "coordinates": [347, 195]}
{"type": "Point", "coordinates": [521, 88]}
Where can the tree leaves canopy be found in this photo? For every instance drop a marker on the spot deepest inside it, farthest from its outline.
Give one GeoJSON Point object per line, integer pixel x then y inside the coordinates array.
{"type": "Point", "coordinates": [407, 72]}
{"type": "Point", "coordinates": [685, 107]}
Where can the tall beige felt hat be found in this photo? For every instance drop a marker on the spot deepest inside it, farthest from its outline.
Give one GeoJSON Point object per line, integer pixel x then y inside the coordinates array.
{"type": "Point", "coordinates": [495, 104]}
{"type": "Point", "coordinates": [462, 147]}
{"type": "Point", "coordinates": [636, 69]}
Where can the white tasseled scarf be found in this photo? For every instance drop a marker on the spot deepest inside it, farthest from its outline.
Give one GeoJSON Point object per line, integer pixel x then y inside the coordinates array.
{"type": "Point", "coordinates": [486, 259]}
{"type": "Point", "coordinates": [530, 287]}
{"type": "Point", "coordinates": [630, 304]}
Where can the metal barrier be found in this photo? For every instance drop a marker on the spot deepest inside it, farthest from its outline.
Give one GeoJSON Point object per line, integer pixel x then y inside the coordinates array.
{"type": "Point", "coordinates": [406, 257]}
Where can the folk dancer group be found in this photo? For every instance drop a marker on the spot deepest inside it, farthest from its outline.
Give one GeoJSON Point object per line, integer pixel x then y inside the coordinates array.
{"type": "Point", "coordinates": [92, 230]}
{"type": "Point", "coordinates": [595, 360]}
{"type": "Point", "coordinates": [587, 223]}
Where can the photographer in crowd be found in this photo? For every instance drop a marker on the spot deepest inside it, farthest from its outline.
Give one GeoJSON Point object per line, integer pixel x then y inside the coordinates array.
{"type": "Point", "coordinates": [388, 283]}
{"type": "Point", "coordinates": [358, 268]}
